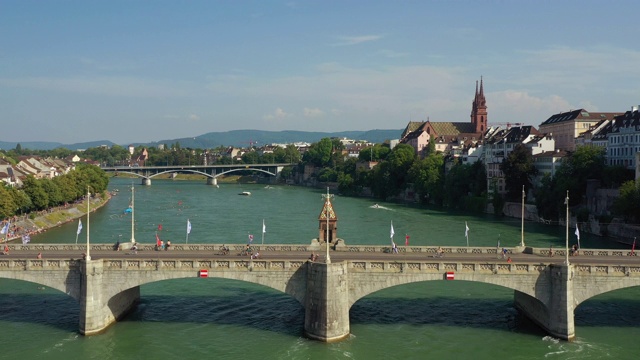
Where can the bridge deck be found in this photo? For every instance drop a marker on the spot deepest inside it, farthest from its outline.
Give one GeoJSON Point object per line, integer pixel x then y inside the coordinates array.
{"type": "Point", "coordinates": [293, 252]}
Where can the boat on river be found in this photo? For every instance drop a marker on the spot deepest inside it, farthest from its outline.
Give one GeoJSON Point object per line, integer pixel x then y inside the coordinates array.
{"type": "Point", "coordinates": [245, 193]}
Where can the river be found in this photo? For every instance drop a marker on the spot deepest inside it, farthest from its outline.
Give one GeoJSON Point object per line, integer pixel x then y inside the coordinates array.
{"type": "Point", "coordinates": [216, 318]}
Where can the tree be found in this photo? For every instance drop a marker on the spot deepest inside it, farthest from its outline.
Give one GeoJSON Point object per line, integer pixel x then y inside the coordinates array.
{"type": "Point", "coordinates": [586, 163]}
{"type": "Point", "coordinates": [8, 207]}
{"type": "Point", "coordinates": [518, 170]}
{"type": "Point", "coordinates": [53, 192]}
{"type": "Point", "coordinates": [427, 176]}
{"type": "Point", "coordinates": [627, 204]}
{"type": "Point", "coordinates": [319, 154]}
{"type": "Point", "coordinates": [376, 152]}
{"type": "Point", "coordinates": [391, 177]}
{"type": "Point", "coordinates": [250, 157]}
{"type": "Point", "coordinates": [33, 188]}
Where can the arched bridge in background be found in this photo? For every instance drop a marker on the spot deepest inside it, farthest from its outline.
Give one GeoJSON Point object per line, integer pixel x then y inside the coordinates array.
{"type": "Point", "coordinates": [210, 172]}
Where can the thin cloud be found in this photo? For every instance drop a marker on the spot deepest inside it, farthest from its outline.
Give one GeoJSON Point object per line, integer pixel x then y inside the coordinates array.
{"type": "Point", "coordinates": [278, 114]}
{"type": "Point", "coordinates": [393, 54]}
{"type": "Point", "coordinates": [354, 40]}
{"type": "Point", "coordinates": [313, 113]}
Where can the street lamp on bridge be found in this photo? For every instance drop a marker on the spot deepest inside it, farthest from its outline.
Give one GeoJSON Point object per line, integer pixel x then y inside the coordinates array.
{"type": "Point", "coordinates": [522, 227]}
{"type": "Point", "coordinates": [327, 208]}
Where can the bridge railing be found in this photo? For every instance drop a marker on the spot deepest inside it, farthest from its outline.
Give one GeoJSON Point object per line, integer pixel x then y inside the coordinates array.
{"type": "Point", "coordinates": [237, 248]}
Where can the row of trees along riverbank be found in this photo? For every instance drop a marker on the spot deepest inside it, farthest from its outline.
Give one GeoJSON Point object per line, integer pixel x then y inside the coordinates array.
{"type": "Point", "coordinates": [37, 195]}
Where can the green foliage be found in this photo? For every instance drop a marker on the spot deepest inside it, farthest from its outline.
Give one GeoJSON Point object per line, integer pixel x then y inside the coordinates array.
{"type": "Point", "coordinates": [586, 163]}
{"type": "Point", "coordinates": [250, 157]}
{"type": "Point", "coordinates": [391, 177]}
{"type": "Point", "coordinates": [627, 204]}
{"type": "Point", "coordinates": [8, 206]}
{"type": "Point", "coordinates": [36, 193]}
{"type": "Point", "coordinates": [376, 152]}
{"type": "Point", "coordinates": [462, 181]}
{"type": "Point", "coordinates": [328, 175]}
{"type": "Point", "coordinates": [518, 170]}
{"type": "Point", "coordinates": [319, 154]}
{"type": "Point", "coordinates": [427, 176]}
{"type": "Point", "coordinates": [498, 203]}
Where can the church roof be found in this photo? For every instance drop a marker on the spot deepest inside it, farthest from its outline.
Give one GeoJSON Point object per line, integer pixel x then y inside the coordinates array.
{"type": "Point", "coordinates": [411, 127]}
{"type": "Point", "coordinates": [453, 128]}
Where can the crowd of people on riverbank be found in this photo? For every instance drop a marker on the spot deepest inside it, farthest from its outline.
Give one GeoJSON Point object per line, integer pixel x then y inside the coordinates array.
{"type": "Point", "coordinates": [11, 230]}
{"type": "Point", "coordinates": [23, 227]}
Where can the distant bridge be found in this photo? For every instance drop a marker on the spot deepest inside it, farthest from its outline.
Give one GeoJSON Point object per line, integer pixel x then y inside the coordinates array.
{"type": "Point", "coordinates": [107, 287]}
{"type": "Point", "coordinates": [211, 172]}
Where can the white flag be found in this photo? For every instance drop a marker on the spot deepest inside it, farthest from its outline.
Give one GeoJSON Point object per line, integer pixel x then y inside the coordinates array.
{"type": "Point", "coordinates": [577, 232]}
{"type": "Point", "coordinates": [264, 228]}
{"type": "Point", "coordinates": [79, 227]}
{"type": "Point", "coordinates": [188, 226]}
{"type": "Point", "coordinates": [5, 229]}
{"type": "Point", "coordinates": [466, 230]}
{"type": "Point", "coordinates": [392, 232]}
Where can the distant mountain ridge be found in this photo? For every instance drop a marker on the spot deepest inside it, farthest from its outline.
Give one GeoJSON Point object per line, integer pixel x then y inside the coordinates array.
{"type": "Point", "coordinates": [237, 138]}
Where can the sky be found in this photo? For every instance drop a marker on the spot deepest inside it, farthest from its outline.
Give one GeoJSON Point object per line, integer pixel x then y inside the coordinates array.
{"type": "Point", "coordinates": [143, 71]}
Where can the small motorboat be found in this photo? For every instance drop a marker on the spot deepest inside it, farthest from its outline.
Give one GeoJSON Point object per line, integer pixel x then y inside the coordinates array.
{"type": "Point", "coordinates": [245, 193]}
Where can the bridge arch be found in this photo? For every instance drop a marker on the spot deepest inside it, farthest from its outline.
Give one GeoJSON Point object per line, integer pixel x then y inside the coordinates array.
{"type": "Point", "coordinates": [586, 287]}
{"type": "Point", "coordinates": [64, 281]}
{"type": "Point", "coordinates": [364, 285]}
{"type": "Point", "coordinates": [245, 169]}
{"type": "Point", "coordinates": [292, 282]}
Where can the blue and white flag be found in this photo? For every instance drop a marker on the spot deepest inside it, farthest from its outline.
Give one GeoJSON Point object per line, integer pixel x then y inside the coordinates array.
{"type": "Point", "coordinates": [5, 228]}
{"type": "Point", "coordinates": [264, 228]}
{"type": "Point", "coordinates": [189, 227]}
{"type": "Point", "coordinates": [392, 232]}
{"type": "Point", "coordinates": [79, 227]}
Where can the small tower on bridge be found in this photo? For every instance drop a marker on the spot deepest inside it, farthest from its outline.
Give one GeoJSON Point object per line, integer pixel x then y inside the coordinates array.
{"type": "Point", "coordinates": [327, 222]}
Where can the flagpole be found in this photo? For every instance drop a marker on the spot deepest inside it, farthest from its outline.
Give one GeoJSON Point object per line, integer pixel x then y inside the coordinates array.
{"type": "Point", "coordinates": [88, 256]}
{"type": "Point", "coordinates": [78, 231]}
{"type": "Point", "coordinates": [522, 227]}
{"type": "Point", "coordinates": [133, 240]}
{"type": "Point", "coordinates": [466, 232]}
{"type": "Point", "coordinates": [566, 252]}
{"type": "Point", "coordinates": [326, 206]}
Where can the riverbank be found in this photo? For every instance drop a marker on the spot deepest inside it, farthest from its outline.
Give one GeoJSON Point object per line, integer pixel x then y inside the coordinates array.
{"type": "Point", "coordinates": [50, 218]}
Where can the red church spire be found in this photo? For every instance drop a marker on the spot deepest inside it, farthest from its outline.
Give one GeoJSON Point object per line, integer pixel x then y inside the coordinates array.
{"type": "Point", "coordinates": [479, 109]}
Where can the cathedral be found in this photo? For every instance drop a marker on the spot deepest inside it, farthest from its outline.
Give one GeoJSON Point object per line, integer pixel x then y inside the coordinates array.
{"type": "Point", "coordinates": [449, 136]}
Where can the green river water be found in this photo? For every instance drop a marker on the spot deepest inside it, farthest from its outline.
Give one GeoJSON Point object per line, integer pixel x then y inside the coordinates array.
{"type": "Point", "coordinates": [224, 319]}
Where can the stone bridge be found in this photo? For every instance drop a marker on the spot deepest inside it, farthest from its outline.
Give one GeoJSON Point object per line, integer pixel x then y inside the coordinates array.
{"type": "Point", "coordinates": [108, 288]}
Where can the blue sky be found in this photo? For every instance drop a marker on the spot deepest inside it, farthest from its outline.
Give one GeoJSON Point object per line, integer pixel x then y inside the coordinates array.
{"type": "Point", "coordinates": [138, 71]}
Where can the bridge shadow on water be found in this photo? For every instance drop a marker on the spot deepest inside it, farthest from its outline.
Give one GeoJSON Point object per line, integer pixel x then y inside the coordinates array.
{"type": "Point", "coordinates": [265, 309]}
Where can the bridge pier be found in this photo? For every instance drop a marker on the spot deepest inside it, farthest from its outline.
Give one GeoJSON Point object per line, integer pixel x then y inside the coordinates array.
{"type": "Point", "coordinates": [98, 308]}
{"type": "Point", "coordinates": [212, 181]}
{"type": "Point", "coordinates": [146, 181]}
{"type": "Point", "coordinates": [326, 315]}
{"type": "Point", "coordinates": [554, 306]}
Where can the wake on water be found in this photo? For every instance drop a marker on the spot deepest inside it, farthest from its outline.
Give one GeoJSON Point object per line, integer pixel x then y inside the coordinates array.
{"type": "Point", "coordinates": [376, 206]}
